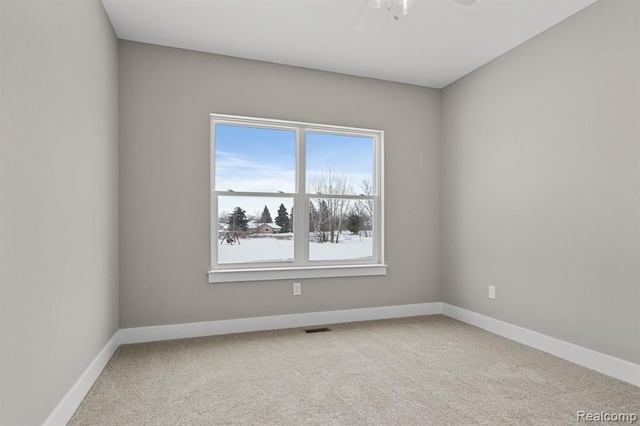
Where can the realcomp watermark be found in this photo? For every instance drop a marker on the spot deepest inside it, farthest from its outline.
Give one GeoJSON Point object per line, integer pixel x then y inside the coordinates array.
{"type": "Point", "coordinates": [602, 416]}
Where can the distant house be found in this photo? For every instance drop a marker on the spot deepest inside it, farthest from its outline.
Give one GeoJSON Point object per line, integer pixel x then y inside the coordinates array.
{"type": "Point", "coordinates": [264, 228]}
{"type": "Point", "coordinates": [253, 228]}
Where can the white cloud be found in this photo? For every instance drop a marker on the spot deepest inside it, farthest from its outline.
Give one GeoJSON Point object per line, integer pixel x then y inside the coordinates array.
{"type": "Point", "coordinates": [240, 173]}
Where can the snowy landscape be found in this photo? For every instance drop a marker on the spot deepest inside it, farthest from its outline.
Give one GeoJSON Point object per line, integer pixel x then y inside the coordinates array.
{"type": "Point", "coordinates": [279, 248]}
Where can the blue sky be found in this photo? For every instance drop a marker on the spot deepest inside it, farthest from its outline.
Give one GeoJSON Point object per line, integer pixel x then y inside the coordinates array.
{"type": "Point", "coordinates": [263, 160]}
{"type": "Point", "coordinates": [255, 159]}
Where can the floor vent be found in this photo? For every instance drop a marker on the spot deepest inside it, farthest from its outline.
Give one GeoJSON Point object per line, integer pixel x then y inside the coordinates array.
{"type": "Point", "coordinates": [317, 330]}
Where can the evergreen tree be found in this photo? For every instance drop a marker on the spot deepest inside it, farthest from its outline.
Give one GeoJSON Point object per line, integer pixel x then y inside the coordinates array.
{"type": "Point", "coordinates": [282, 220]}
{"type": "Point", "coordinates": [266, 216]}
{"type": "Point", "coordinates": [238, 220]}
{"type": "Point", "coordinates": [354, 223]}
{"type": "Point", "coordinates": [291, 219]}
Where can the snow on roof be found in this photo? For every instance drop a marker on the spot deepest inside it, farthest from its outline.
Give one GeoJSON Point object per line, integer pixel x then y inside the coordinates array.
{"type": "Point", "coordinates": [251, 225]}
{"type": "Point", "coordinates": [254, 224]}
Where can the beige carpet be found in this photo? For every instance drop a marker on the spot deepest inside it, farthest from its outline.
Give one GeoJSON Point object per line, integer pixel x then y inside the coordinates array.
{"type": "Point", "coordinates": [415, 371]}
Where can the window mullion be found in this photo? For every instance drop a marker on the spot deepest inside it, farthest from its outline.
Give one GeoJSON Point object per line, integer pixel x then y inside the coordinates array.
{"type": "Point", "coordinates": [213, 199]}
{"type": "Point", "coordinates": [253, 194]}
{"type": "Point", "coordinates": [301, 214]}
{"type": "Point", "coordinates": [378, 201]}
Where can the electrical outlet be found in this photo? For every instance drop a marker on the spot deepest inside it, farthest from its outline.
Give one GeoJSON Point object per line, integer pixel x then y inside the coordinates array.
{"type": "Point", "coordinates": [492, 292]}
{"type": "Point", "coordinates": [297, 289]}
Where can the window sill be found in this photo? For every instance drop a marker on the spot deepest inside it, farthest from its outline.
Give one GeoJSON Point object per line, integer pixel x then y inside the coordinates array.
{"type": "Point", "coordinates": [304, 272]}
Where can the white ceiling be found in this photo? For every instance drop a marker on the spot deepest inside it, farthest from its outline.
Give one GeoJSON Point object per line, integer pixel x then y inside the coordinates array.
{"type": "Point", "coordinates": [439, 42]}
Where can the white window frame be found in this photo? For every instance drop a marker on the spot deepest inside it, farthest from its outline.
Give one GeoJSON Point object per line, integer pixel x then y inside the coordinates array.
{"type": "Point", "coordinates": [301, 267]}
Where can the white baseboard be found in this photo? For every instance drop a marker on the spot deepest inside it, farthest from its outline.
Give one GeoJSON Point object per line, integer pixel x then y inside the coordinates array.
{"type": "Point", "coordinates": [242, 325]}
{"type": "Point", "coordinates": [65, 409]}
{"type": "Point", "coordinates": [602, 363]}
{"type": "Point", "coordinates": [606, 364]}
{"type": "Point", "coordinates": [69, 404]}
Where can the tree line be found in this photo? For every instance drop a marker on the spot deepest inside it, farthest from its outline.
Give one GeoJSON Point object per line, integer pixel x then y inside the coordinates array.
{"type": "Point", "coordinates": [238, 220]}
{"type": "Point", "coordinates": [329, 216]}
{"type": "Point", "coordinates": [323, 222]}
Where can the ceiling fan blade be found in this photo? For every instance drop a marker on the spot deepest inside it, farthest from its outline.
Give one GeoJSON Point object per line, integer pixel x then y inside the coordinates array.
{"type": "Point", "coordinates": [465, 2]}
{"type": "Point", "coordinates": [366, 14]}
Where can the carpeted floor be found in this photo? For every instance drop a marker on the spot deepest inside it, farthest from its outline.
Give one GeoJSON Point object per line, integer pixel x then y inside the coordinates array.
{"type": "Point", "coordinates": [415, 371]}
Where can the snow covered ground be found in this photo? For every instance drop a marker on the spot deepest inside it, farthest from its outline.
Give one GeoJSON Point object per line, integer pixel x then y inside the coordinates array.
{"type": "Point", "coordinates": [275, 248]}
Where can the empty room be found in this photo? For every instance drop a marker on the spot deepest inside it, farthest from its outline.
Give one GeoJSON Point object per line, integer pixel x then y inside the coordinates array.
{"type": "Point", "coordinates": [306, 212]}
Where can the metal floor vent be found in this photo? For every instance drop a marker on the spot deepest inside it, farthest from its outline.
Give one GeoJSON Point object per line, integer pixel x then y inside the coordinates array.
{"type": "Point", "coordinates": [317, 330]}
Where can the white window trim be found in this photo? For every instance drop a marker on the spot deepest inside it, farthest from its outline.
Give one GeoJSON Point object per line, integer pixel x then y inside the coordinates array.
{"type": "Point", "coordinates": [300, 268]}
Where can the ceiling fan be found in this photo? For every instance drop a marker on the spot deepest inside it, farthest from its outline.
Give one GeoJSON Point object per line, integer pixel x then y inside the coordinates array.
{"type": "Point", "coordinates": [395, 8]}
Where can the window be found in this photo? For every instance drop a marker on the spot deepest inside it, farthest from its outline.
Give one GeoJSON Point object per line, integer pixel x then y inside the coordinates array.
{"type": "Point", "coordinates": [294, 200]}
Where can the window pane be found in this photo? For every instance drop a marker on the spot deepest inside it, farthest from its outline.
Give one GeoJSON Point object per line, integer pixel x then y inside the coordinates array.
{"type": "Point", "coordinates": [254, 159]}
{"type": "Point", "coordinates": [339, 164]}
{"type": "Point", "coordinates": [254, 229]}
{"type": "Point", "coordinates": [340, 229]}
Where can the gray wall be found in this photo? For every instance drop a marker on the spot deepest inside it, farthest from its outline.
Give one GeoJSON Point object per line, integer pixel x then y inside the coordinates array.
{"type": "Point", "coordinates": [58, 199]}
{"type": "Point", "coordinates": [166, 96]}
{"type": "Point", "coordinates": [541, 183]}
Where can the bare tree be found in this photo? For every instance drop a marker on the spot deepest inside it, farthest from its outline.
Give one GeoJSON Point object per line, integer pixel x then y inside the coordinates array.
{"type": "Point", "coordinates": [328, 213]}
{"type": "Point", "coordinates": [366, 205]}
{"type": "Point", "coordinates": [319, 219]}
{"type": "Point", "coordinates": [223, 216]}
